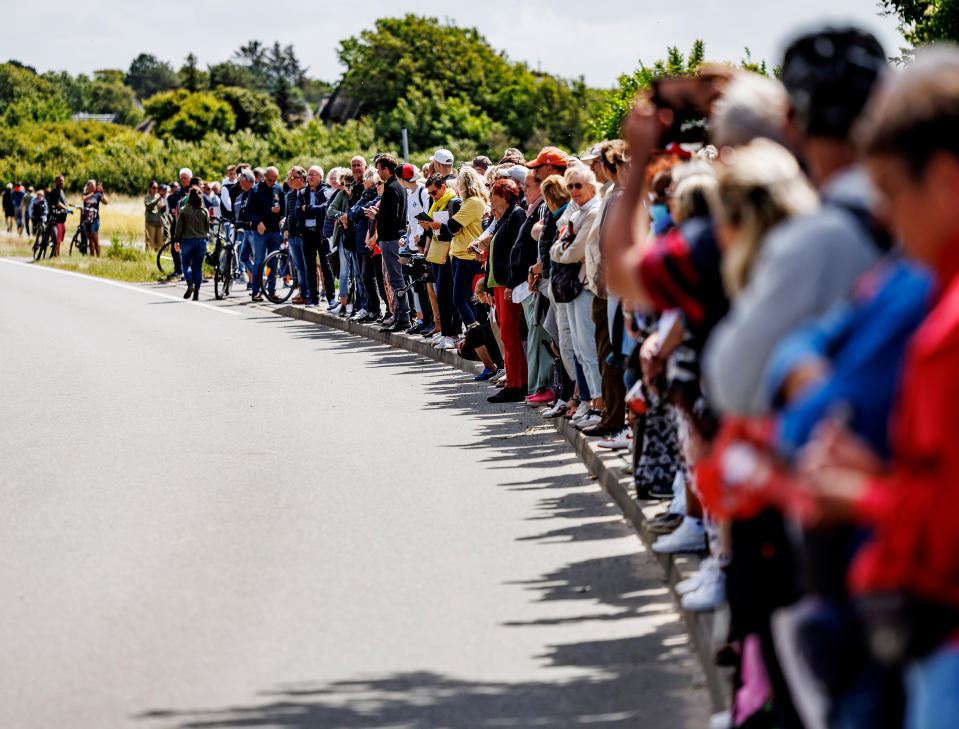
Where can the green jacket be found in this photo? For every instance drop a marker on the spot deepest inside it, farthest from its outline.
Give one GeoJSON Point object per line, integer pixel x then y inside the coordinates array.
{"type": "Point", "coordinates": [338, 206]}
{"type": "Point", "coordinates": [192, 223]}
{"type": "Point", "coordinates": [155, 207]}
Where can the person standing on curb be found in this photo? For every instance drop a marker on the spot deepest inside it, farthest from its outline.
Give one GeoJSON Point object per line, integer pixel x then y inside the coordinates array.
{"type": "Point", "coordinates": [391, 224]}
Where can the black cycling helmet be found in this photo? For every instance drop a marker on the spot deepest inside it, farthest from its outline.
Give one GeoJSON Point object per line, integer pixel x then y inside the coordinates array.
{"type": "Point", "coordinates": [829, 75]}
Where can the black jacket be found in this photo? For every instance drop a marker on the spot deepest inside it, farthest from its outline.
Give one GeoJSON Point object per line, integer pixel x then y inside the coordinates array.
{"type": "Point", "coordinates": [507, 229]}
{"type": "Point", "coordinates": [391, 219]}
{"type": "Point", "coordinates": [293, 216]}
{"type": "Point", "coordinates": [525, 251]}
{"type": "Point", "coordinates": [315, 212]}
{"type": "Point", "coordinates": [261, 200]}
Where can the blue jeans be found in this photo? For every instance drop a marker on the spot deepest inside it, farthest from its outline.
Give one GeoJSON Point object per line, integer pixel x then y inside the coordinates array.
{"type": "Point", "coordinates": [244, 252]}
{"type": "Point", "coordinates": [192, 251]}
{"type": "Point", "coordinates": [394, 276]}
{"type": "Point", "coordinates": [932, 690]}
{"type": "Point", "coordinates": [580, 313]}
{"type": "Point", "coordinates": [262, 245]}
{"type": "Point", "coordinates": [299, 263]}
{"type": "Point", "coordinates": [464, 271]}
{"type": "Point", "coordinates": [349, 263]}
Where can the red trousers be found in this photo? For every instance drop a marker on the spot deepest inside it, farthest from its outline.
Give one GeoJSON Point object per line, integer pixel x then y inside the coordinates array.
{"type": "Point", "coordinates": [508, 316]}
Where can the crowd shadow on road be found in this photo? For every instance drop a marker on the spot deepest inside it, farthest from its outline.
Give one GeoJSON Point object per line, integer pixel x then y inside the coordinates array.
{"type": "Point", "coordinates": [642, 679]}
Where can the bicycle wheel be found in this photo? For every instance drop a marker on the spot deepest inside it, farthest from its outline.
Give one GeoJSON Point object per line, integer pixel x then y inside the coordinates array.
{"type": "Point", "coordinates": [223, 275]}
{"type": "Point", "coordinates": [38, 244]}
{"type": "Point", "coordinates": [277, 285]}
{"type": "Point", "coordinates": [165, 259]}
{"type": "Point", "coordinates": [78, 242]}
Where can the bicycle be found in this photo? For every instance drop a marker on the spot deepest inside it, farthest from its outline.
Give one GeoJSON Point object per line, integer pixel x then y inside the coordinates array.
{"type": "Point", "coordinates": [225, 269]}
{"type": "Point", "coordinates": [79, 240]}
{"type": "Point", "coordinates": [46, 233]}
{"type": "Point", "coordinates": [279, 266]}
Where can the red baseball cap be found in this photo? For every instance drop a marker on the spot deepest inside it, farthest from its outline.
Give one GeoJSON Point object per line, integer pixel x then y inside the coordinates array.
{"type": "Point", "coordinates": [407, 172]}
{"type": "Point", "coordinates": [550, 156]}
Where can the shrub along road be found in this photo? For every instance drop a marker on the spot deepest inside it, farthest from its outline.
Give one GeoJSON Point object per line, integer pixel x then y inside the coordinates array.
{"type": "Point", "coordinates": [217, 517]}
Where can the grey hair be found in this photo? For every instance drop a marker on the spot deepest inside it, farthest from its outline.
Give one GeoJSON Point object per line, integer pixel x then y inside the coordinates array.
{"type": "Point", "coordinates": [370, 175]}
{"type": "Point", "coordinates": [751, 106]}
{"type": "Point", "coordinates": [185, 171]}
{"type": "Point", "coordinates": [316, 168]}
{"type": "Point", "coordinates": [694, 189]}
{"type": "Point", "coordinates": [247, 175]}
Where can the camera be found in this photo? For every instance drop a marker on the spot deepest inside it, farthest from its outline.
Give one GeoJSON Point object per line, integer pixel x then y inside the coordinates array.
{"type": "Point", "coordinates": [418, 269]}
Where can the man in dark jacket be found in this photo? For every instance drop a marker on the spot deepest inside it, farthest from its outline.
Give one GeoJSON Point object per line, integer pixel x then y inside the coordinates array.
{"type": "Point", "coordinates": [264, 210]}
{"type": "Point", "coordinates": [390, 227]}
{"type": "Point", "coordinates": [313, 203]}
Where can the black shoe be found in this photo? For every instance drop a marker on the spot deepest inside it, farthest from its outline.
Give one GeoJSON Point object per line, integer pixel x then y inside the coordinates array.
{"type": "Point", "coordinates": [196, 294]}
{"type": "Point", "coordinates": [508, 394]}
{"type": "Point", "coordinates": [600, 429]}
{"type": "Point", "coordinates": [399, 326]}
{"type": "Point", "coordinates": [368, 319]}
{"type": "Point", "coordinates": [416, 328]}
{"type": "Point", "coordinates": [189, 292]}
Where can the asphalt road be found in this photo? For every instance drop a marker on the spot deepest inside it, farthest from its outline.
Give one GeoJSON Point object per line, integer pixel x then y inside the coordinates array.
{"type": "Point", "coordinates": [216, 517]}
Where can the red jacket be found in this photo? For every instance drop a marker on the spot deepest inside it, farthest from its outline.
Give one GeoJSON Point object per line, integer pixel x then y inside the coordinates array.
{"type": "Point", "coordinates": [915, 509]}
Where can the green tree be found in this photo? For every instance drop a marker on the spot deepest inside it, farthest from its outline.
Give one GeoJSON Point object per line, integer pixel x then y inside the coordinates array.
{"type": "Point", "coordinates": [607, 124]}
{"type": "Point", "coordinates": [108, 97]}
{"type": "Point", "coordinates": [148, 75]}
{"type": "Point", "coordinates": [231, 74]}
{"type": "Point", "coordinates": [75, 90]}
{"type": "Point", "coordinates": [191, 77]}
{"type": "Point", "coordinates": [26, 97]}
{"type": "Point", "coordinates": [253, 110]}
{"type": "Point", "coordinates": [109, 75]}
{"type": "Point", "coordinates": [198, 114]}
{"type": "Point", "coordinates": [432, 65]}
{"type": "Point", "coordinates": [925, 21]}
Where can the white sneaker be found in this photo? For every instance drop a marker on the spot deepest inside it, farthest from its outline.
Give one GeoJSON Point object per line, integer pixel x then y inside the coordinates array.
{"type": "Point", "coordinates": [359, 315]}
{"type": "Point", "coordinates": [449, 343]}
{"type": "Point", "coordinates": [693, 582]}
{"type": "Point", "coordinates": [622, 439]}
{"type": "Point", "coordinates": [497, 380]}
{"type": "Point", "coordinates": [710, 594]}
{"type": "Point", "coordinates": [349, 309]}
{"type": "Point", "coordinates": [556, 410]}
{"type": "Point", "coordinates": [435, 339]}
{"type": "Point", "coordinates": [337, 309]}
{"type": "Point", "coordinates": [592, 417]}
{"type": "Point", "coordinates": [580, 412]}
{"type": "Point", "coordinates": [688, 537]}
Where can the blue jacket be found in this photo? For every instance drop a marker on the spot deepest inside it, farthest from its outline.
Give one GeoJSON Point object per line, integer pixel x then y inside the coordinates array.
{"type": "Point", "coordinates": [313, 208]}
{"type": "Point", "coordinates": [360, 224]}
{"type": "Point", "coordinates": [863, 342]}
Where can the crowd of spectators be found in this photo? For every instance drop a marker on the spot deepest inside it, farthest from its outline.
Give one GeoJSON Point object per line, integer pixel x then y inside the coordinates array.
{"type": "Point", "coordinates": [762, 308]}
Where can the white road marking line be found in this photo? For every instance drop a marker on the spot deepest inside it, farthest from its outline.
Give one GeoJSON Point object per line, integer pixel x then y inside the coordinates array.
{"type": "Point", "coordinates": [130, 287]}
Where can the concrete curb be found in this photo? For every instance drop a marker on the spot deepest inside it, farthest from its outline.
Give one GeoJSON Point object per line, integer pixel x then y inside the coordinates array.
{"type": "Point", "coordinates": [609, 467]}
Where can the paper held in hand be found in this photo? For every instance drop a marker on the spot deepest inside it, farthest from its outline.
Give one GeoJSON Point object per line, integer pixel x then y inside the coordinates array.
{"type": "Point", "coordinates": [521, 293]}
{"type": "Point", "coordinates": [441, 216]}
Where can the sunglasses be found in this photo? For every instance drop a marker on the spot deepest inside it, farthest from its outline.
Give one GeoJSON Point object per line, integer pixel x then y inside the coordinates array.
{"type": "Point", "coordinates": [432, 193]}
{"type": "Point", "coordinates": [575, 186]}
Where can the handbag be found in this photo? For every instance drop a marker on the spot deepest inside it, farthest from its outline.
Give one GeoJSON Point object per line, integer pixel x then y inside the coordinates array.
{"type": "Point", "coordinates": [439, 251]}
{"type": "Point", "coordinates": [564, 281]}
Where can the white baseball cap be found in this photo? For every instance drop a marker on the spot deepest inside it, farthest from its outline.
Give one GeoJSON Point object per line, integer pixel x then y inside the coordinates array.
{"type": "Point", "coordinates": [442, 156]}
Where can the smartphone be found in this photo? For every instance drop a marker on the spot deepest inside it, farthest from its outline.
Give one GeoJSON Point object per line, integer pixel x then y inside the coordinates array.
{"type": "Point", "coordinates": [424, 217]}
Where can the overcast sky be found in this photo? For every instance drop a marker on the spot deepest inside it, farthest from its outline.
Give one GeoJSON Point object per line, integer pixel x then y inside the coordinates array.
{"type": "Point", "coordinates": [598, 39]}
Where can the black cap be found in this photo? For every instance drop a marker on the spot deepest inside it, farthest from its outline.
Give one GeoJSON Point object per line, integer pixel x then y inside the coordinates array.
{"type": "Point", "coordinates": [829, 75]}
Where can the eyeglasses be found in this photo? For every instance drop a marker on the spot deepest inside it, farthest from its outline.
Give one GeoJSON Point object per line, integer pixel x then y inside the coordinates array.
{"type": "Point", "coordinates": [575, 186]}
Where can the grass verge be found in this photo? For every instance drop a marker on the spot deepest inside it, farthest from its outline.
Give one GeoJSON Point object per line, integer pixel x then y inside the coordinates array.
{"type": "Point", "coordinates": [120, 261]}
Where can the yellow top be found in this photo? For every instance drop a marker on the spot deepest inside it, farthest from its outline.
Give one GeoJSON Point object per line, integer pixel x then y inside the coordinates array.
{"type": "Point", "coordinates": [470, 216]}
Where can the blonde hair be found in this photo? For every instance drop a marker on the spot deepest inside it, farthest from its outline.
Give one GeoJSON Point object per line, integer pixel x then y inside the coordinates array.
{"type": "Point", "coordinates": [470, 184]}
{"type": "Point", "coordinates": [370, 175]}
{"type": "Point", "coordinates": [694, 186]}
{"type": "Point", "coordinates": [553, 189]}
{"type": "Point", "coordinates": [762, 186]}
